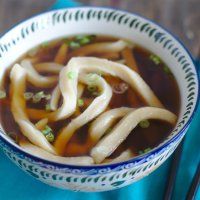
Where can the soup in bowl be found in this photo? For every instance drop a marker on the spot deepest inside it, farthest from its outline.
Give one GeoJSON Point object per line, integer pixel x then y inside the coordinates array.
{"type": "Point", "coordinates": [93, 99]}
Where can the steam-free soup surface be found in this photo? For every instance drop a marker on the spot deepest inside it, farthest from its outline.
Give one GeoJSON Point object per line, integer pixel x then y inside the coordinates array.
{"type": "Point", "coordinates": [151, 68]}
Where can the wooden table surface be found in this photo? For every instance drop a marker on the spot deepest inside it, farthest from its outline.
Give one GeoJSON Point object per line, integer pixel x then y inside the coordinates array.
{"type": "Point", "coordinates": [181, 17]}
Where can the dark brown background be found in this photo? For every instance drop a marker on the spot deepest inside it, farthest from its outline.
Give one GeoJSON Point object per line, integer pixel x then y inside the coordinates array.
{"type": "Point", "coordinates": [181, 17]}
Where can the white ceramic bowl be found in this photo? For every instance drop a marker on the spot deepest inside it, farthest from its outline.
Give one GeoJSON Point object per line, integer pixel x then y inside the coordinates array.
{"type": "Point", "coordinates": [91, 20]}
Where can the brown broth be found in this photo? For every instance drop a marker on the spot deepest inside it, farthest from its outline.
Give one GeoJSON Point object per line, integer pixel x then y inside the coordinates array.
{"type": "Point", "coordinates": [163, 84]}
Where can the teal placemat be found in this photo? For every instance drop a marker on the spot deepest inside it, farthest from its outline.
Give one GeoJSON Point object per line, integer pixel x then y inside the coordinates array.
{"type": "Point", "coordinates": [16, 185]}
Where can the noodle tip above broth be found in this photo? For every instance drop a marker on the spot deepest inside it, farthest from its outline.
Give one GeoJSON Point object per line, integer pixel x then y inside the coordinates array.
{"type": "Point", "coordinates": [89, 100]}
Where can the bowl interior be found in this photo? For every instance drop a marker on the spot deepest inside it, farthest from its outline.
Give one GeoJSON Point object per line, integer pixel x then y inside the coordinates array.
{"type": "Point", "coordinates": [103, 21]}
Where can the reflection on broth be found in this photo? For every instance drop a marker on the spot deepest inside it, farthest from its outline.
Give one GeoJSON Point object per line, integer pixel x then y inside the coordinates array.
{"type": "Point", "coordinates": [89, 99]}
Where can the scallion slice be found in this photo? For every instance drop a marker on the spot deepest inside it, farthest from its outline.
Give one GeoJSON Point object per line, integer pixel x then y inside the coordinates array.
{"type": "Point", "coordinates": [166, 70]}
{"type": "Point", "coordinates": [48, 133]}
{"type": "Point", "coordinates": [74, 45]}
{"type": "Point", "coordinates": [47, 96]}
{"type": "Point", "coordinates": [38, 96]}
{"type": "Point", "coordinates": [2, 94]}
{"type": "Point", "coordinates": [28, 95]}
{"type": "Point", "coordinates": [71, 75]}
{"type": "Point", "coordinates": [155, 59]}
{"type": "Point", "coordinates": [80, 102]}
{"type": "Point", "coordinates": [47, 107]}
{"type": "Point", "coordinates": [144, 124]}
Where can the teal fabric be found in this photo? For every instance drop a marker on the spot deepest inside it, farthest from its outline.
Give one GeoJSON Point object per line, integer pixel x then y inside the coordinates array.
{"type": "Point", "coordinates": [15, 184]}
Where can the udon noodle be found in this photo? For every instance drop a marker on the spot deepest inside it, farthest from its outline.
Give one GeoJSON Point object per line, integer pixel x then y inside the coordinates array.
{"type": "Point", "coordinates": [69, 75]}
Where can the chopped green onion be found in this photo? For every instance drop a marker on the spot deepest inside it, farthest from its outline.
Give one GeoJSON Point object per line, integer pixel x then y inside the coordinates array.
{"type": "Point", "coordinates": [147, 150]}
{"type": "Point", "coordinates": [38, 96]}
{"type": "Point", "coordinates": [46, 130]}
{"type": "Point", "coordinates": [48, 133]}
{"type": "Point", "coordinates": [50, 137]}
{"type": "Point", "coordinates": [166, 70]}
{"type": "Point", "coordinates": [84, 41]}
{"type": "Point", "coordinates": [155, 59]}
{"type": "Point", "coordinates": [79, 37]}
{"type": "Point", "coordinates": [28, 95]}
{"type": "Point", "coordinates": [92, 78]}
{"type": "Point", "coordinates": [71, 75]}
{"type": "Point", "coordinates": [36, 99]}
{"type": "Point", "coordinates": [80, 102]}
{"type": "Point", "coordinates": [45, 44]}
{"type": "Point", "coordinates": [74, 45]}
{"type": "Point", "coordinates": [144, 124]}
{"type": "Point", "coordinates": [144, 151]}
{"type": "Point", "coordinates": [2, 94]}
{"type": "Point", "coordinates": [47, 107]}
{"type": "Point", "coordinates": [13, 136]}
{"type": "Point", "coordinates": [92, 88]}
{"type": "Point", "coordinates": [48, 97]}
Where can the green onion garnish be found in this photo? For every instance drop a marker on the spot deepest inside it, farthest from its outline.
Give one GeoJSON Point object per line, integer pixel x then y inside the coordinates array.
{"type": "Point", "coordinates": [38, 96]}
{"type": "Point", "coordinates": [48, 97]}
{"type": "Point", "coordinates": [147, 150]}
{"type": "Point", "coordinates": [48, 133]}
{"type": "Point", "coordinates": [92, 78]}
{"type": "Point", "coordinates": [166, 70]}
{"type": "Point", "coordinates": [144, 124]}
{"type": "Point", "coordinates": [2, 94]}
{"type": "Point", "coordinates": [47, 107]}
{"type": "Point", "coordinates": [71, 75]}
{"type": "Point", "coordinates": [155, 59]}
{"type": "Point", "coordinates": [74, 45]}
{"type": "Point", "coordinates": [84, 39]}
{"type": "Point", "coordinates": [144, 151]}
{"type": "Point", "coordinates": [79, 37]}
{"type": "Point", "coordinates": [45, 44]}
{"type": "Point", "coordinates": [92, 88]}
{"type": "Point", "coordinates": [80, 102]}
{"type": "Point", "coordinates": [28, 95]}
{"type": "Point", "coordinates": [50, 137]}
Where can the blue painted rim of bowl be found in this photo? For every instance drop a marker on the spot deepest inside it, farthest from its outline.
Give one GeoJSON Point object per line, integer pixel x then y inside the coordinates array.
{"type": "Point", "coordinates": [137, 158]}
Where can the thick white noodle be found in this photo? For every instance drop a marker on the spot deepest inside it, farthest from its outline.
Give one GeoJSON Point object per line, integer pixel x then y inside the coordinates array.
{"type": "Point", "coordinates": [18, 108]}
{"type": "Point", "coordinates": [102, 47]}
{"type": "Point", "coordinates": [55, 96]}
{"type": "Point", "coordinates": [35, 78]}
{"type": "Point", "coordinates": [70, 90]}
{"type": "Point", "coordinates": [98, 105]}
{"type": "Point", "coordinates": [103, 122]}
{"type": "Point", "coordinates": [39, 152]}
{"type": "Point", "coordinates": [41, 124]}
{"type": "Point", "coordinates": [48, 67]}
{"type": "Point", "coordinates": [125, 155]}
{"type": "Point", "coordinates": [92, 64]}
{"type": "Point", "coordinates": [81, 88]}
{"type": "Point", "coordinates": [79, 65]}
{"type": "Point", "coordinates": [110, 142]}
